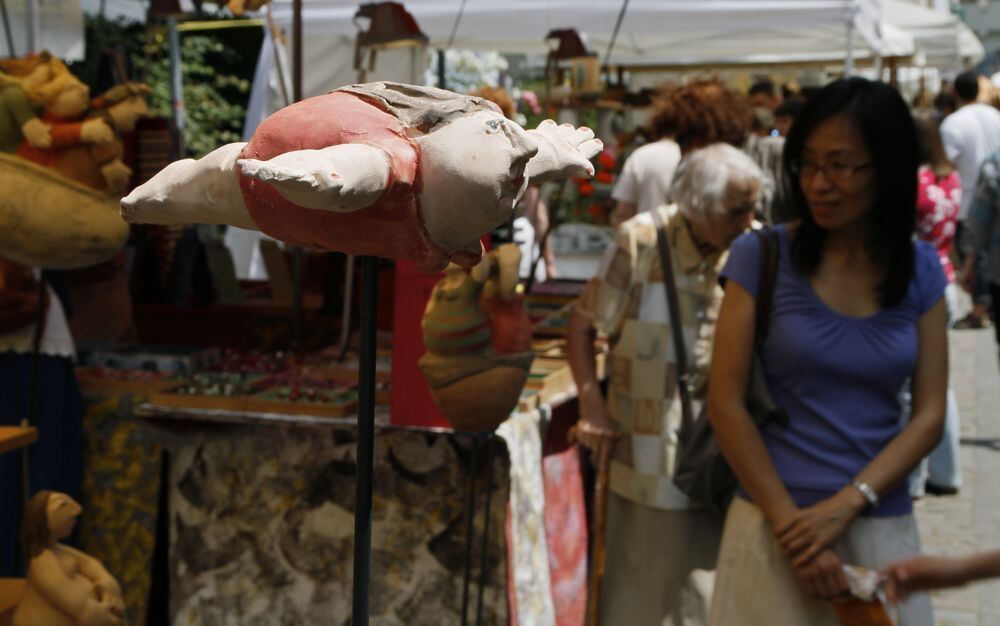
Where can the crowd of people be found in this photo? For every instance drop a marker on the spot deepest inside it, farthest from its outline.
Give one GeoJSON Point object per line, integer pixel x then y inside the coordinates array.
{"type": "Point", "coordinates": [808, 240]}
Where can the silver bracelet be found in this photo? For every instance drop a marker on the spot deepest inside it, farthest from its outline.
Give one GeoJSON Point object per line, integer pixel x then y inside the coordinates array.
{"type": "Point", "coordinates": [868, 493]}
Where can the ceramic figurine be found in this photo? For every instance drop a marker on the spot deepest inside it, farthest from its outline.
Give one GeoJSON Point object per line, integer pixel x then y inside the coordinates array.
{"type": "Point", "coordinates": [41, 82]}
{"type": "Point", "coordinates": [65, 587]}
{"type": "Point", "coordinates": [383, 169]}
{"type": "Point", "coordinates": [57, 212]}
{"type": "Point", "coordinates": [478, 340]}
{"type": "Point", "coordinates": [100, 166]}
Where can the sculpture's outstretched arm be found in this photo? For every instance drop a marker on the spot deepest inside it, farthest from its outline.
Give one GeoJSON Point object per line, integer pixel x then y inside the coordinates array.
{"type": "Point", "coordinates": [563, 151]}
{"type": "Point", "coordinates": [205, 191]}
{"type": "Point", "coordinates": [342, 178]}
{"type": "Point", "coordinates": [345, 177]}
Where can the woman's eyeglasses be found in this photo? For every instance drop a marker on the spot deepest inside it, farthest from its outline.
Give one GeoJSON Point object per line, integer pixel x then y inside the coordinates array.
{"type": "Point", "coordinates": [838, 172]}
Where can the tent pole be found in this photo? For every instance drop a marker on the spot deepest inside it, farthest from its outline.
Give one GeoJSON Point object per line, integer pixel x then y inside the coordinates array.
{"type": "Point", "coordinates": [6, 29]}
{"type": "Point", "coordinates": [299, 255]}
{"type": "Point", "coordinates": [34, 26]}
{"type": "Point", "coordinates": [849, 49]}
{"type": "Point", "coordinates": [614, 37]}
{"type": "Point", "coordinates": [176, 85]}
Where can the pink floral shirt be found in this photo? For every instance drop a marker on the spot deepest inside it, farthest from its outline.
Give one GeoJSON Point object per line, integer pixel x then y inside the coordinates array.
{"type": "Point", "coordinates": [937, 213]}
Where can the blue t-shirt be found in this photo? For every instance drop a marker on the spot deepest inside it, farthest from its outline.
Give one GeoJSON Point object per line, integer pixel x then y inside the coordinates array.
{"type": "Point", "coordinates": [837, 377]}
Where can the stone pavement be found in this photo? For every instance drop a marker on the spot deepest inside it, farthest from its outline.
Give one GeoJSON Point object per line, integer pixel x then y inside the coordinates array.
{"type": "Point", "coordinates": [970, 521]}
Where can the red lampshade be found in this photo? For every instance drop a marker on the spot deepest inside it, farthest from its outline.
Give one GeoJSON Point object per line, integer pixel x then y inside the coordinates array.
{"type": "Point", "coordinates": [387, 25]}
{"type": "Point", "coordinates": [163, 8]}
{"type": "Point", "coordinates": [566, 43]}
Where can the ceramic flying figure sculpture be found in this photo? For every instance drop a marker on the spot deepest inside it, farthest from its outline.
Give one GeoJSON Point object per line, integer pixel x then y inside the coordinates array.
{"type": "Point", "coordinates": [65, 586]}
{"type": "Point", "coordinates": [382, 169]}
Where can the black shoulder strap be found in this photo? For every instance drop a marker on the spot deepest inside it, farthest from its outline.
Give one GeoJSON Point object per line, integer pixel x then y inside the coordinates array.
{"type": "Point", "coordinates": [766, 278]}
{"type": "Point", "coordinates": [769, 252]}
{"type": "Point", "coordinates": [676, 325]}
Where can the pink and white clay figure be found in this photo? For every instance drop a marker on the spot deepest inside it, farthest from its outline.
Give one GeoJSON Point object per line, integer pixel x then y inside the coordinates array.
{"type": "Point", "coordinates": [382, 169]}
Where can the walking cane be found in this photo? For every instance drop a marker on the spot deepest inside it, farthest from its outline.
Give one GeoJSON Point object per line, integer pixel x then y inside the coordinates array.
{"type": "Point", "coordinates": [598, 554]}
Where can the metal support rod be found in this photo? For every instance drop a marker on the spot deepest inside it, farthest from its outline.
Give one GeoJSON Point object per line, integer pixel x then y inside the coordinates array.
{"type": "Point", "coordinates": [470, 525]}
{"type": "Point", "coordinates": [484, 559]}
{"type": "Point", "coordinates": [442, 82]}
{"type": "Point", "coordinates": [345, 312]}
{"type": "Point", "coordinates": [176, 86]}
{"type": "Point", "coordinates": [31, 417]}
{"type": "Point", "coordinates": [298, 310]}
{"type": "Point", "coordinates": [366, 442]}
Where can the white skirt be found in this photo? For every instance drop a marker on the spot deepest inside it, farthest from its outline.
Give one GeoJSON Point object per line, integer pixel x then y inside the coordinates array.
{"type": "Point", "coordinates": [756, 585]}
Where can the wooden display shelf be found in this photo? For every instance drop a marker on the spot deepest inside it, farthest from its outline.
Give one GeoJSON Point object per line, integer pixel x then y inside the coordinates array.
{"type": "Point", "coordinates": [251, 404]}
{"type": "Point", "coordinates": [11, 590]}
{"type": "Point", "coordinates": [14, 437]}
{"type": "Point", "coordinates": [97, 386]}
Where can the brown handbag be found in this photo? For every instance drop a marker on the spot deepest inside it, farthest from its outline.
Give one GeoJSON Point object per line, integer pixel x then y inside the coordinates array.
{"type": "Point", "coordinates": [700, 470]}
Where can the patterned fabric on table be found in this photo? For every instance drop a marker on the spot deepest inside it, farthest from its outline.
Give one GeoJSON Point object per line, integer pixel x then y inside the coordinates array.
{"type": "Point", "coordinates": [627, 302]}
{"type": "Point", "coordinates": [121, 487]}
{"type": "Point", "coordinates": [983, 224]}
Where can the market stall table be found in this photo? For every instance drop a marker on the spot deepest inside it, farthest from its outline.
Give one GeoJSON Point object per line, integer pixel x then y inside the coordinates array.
{"type": "Point", "coordinates": [260, 512]}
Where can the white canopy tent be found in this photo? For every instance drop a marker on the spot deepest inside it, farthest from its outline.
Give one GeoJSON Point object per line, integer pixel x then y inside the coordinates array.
{"type": "Point", "coordinates": [941, 39]}
{"type": "Point", "coordinates": [652, 32]}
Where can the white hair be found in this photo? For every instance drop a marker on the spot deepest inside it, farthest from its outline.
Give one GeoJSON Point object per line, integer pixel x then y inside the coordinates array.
{"type": "Point", "coordinates": [699, 185]}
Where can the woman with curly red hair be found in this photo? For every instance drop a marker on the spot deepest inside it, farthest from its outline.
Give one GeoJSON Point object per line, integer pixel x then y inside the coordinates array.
{"type": "Point", "coordinates": [698, 113]}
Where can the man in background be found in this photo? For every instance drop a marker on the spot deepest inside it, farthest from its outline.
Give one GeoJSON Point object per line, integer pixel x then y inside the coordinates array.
{"type": "Point", "coordinates": [970, 134]}
{"type": "Point", "coordinates": [764, 94]}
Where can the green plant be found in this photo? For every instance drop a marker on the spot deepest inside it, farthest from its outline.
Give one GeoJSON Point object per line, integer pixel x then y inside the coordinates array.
{"type": "Point", "coordinates": [216, 70]}
{"type": "Point", "coordinates": [214, 97]}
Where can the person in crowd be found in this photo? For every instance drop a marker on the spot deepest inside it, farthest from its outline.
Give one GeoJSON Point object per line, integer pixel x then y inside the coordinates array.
{"type": "Point", "coordinates": [970, 134]}
{"type": "Point", "coordinates": [765, 94]}
{"type": "Point", "coordinates": [688, 116]}
{"type": "Point", "coordinates": [924, 573]}
{"type": "Point", "coordinates": [982, 240]}
{"type": "Point", "coordinates": [660, 549]}
{"type": "Point", "coordinates": [55, 460]}
{"type": "Point", "coordinates": [945, 103]}
{"type": "Point", "coordinates": [858, 307]}
{"type": "Point", "coordinates": [939, 192]}
{"type": "Point", "coordinates": [644, 182]}
{"type": "Point", "coordinates": [785, 114]}
{"type": "Point", "coordinates": [761, 122]}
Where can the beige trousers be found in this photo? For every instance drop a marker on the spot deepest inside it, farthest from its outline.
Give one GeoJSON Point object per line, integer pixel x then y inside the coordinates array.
{"type": "Point", "coordinates": [659, 565]}
{"type": "Point", "coordinates": [756, 585]}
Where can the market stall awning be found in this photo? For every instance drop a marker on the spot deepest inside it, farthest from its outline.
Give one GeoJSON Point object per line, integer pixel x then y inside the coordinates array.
{"type": "Point", "coordinates": [653, 31]}
{"type": "Point", "coordinates": [941, 39]}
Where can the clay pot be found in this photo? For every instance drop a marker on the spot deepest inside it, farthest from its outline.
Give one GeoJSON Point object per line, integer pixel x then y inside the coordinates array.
{"type": "Point", "coordinates": [476, 395]}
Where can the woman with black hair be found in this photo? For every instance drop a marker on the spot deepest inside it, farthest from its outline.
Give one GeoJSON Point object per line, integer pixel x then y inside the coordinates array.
{"type": "Point", "coordinates": [857, 309]}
